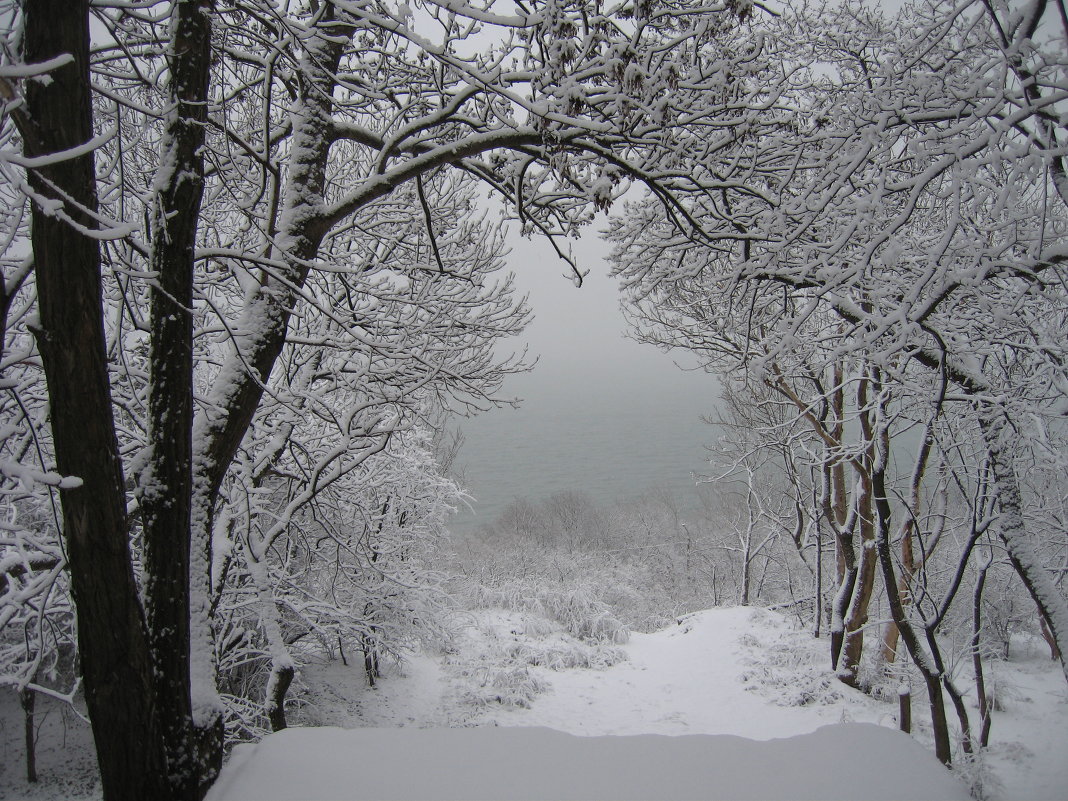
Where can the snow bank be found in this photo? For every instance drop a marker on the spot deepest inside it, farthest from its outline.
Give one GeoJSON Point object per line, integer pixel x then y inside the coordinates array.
{"type": "Point", "coordinates": [843, 761]}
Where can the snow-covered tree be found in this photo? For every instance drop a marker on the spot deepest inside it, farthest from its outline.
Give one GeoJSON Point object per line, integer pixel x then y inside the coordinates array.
{"type": "Point", "coordinates": [905, 250]}
{"type": "Point", "coordinates": [246, 215]}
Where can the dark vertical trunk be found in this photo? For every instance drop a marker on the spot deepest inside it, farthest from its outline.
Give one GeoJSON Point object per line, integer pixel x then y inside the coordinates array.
{"type": "Point", "coordinates": [819, 580]}
{"type": "Point", "coordinates": [977, 657]}
{"type": "Point", "coordinates": [112, 636]}
{"type": "Point", "coordinates": [930, 673]}
{"type": "Point", "coordinates": [838, 615]}
{"type": "Point", "coordinates": [370, 656]}
{"type": "Point", "coordinates": [838, 494]}
{"type": "Point", "coordinates": [167, 483]}
{"type": "Point", "coordinates": [904, 710]}
{"type": "Point", "coordinates": [857, 613]}
{"type": "Point", "coordinates": [28, 699]}
{"type": "Point", "coordinates": [957, 698]}
{"type": "Point", "coordinates": [281, 677]}
{"type": "Point", "coordinates": [845, 559]}
{"type": "Point", "coordinates": [857, 617]}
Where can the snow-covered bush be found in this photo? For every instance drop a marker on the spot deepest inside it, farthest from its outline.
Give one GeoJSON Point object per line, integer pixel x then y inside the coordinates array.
{"type": "Point", "coordinates": [356, 572]}
{"type": "Point", "coordinates": [575, 606]}
{"type": "Point", "coordinates": [509, 648]}
{"type": "Point", "coordinates": [785, 671]}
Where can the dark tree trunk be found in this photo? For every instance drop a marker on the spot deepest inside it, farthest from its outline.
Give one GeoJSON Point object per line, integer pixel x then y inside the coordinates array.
{"type": "Point", "coordinates": [1047, 635]}
{"type": "Point", "coordinates": [838, 614]}
{"type": "Point", "coordinates": [904, 710]}
{"type": "Point", "coordinates": [977, 657]}
{"type": "Point", "coordinates": [167, 483]}
{"type": "Point", "coordinates": [370, 657]}
{"type": "Point", "coordinates": [930, 673]}
{"type": "Point", "coordinates": [112, 636]}
{"type": "Point", "coordinates": [28, 699]}
{"type": "Point", "coordinates": [852, 648]}
{"type": "Point", "coordinates": [277, 687]}
{"type": "Point", "coordinates": [848, 668]}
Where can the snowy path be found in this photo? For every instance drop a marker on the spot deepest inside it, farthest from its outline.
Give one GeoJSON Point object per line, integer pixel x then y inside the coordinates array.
{"type": "Point", "coordinates": [682, 680]}
{"type": "Point", "coordinates": [688, 679]}
{"type": "Point", "coordinates": [743, 671]}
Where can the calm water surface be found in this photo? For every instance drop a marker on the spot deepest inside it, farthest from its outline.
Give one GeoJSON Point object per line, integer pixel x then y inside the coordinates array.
{"type": "Point", "coordinates": [609, 435]}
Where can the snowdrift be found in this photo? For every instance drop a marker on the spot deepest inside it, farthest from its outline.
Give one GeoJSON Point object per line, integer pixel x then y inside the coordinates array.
{"type": "Point", "coordinates": [843, 761]}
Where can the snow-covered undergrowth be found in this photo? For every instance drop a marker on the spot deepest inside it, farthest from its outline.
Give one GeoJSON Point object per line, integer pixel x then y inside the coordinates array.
{"type": "Point", "coordinates": [518, 623]}
{"type": "Point", "coordinates": [781, 671]}
{"type": "Point", "coordinates": [575, 606]}
{"type": "Point", "coordinates": [504, 647]}
{"type": "Point", "coordinates": [596, 593]}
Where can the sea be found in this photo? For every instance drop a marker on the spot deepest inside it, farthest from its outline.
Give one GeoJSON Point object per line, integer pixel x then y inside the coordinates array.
{"type": "Point", "coordinates": [610, 435]}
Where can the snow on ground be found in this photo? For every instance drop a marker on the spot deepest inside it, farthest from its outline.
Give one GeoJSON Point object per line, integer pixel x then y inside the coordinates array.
{"type": "Point", "coordinates": [848, 761]}
{"type": "Point", "coordinates": [66, 761]}
{"type": "Point", "coordinates": [703, 679]}
{"type": "Point", "coordinates": [728, 671]}
{"type": "Point", "coordinates": [1028, 752]}
{"type": "Point", "coordinates": [720, 674]}
{"type": "Point", "coordinates": [689, 679]}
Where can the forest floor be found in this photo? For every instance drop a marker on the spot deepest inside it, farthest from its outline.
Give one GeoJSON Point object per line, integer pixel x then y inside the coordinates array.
{"type": "Point", "coordinates": [743, 671]}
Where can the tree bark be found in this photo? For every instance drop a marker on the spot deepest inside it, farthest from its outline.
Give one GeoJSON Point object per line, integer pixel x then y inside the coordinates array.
{"type": "Point", "coordinates": [857, 617]}
{"type": "Point", "coordinates": [848, 669]}
{"type": "Point", "coordinates": [167, 482]}
{"type": "Point", "coordinates": [920, 658]}
{"type": "Point", "coordinates": [112, 634]}
{"type": "Point", "coordinates": [277, 686]}
{"type": "Point", "coordinates": [28, 699]}
{"type": "Point", "coordinates": [977, 657]}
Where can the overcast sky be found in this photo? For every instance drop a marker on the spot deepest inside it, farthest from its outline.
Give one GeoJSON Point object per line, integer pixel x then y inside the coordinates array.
{"type": "Point", "coordinates": [578, 332]}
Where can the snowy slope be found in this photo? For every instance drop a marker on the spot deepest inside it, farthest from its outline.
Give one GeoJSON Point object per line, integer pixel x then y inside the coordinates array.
{"type": "Point", "coordinates": [687, 680]}
{"type": "Point", "coordinates": [742, 672]}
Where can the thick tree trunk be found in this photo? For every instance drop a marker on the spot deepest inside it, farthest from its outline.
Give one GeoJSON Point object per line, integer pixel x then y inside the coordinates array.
{"type": "Point", "coordinates": [834, 512]}
{"type": "Point", "coordinates": [848, 669]}
{"type": "Point", "coordinates": [857, 617]}
{"type": "Point", "coordinates": [931, 675]}
{"type": "Point", "coordinates": [908, 570]}
{"type": "Point", "coordinates": [112, 636]}
{"type": "Point", "coordinates": [277, 686]}
{"type": "Point", "coordinates": [167, 483]}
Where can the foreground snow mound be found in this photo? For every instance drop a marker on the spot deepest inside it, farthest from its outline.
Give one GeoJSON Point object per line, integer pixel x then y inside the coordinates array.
{"type": "Point", "coordinates": [844, 761]}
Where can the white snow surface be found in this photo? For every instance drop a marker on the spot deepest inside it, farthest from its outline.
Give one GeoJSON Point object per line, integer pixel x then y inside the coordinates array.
{"type": "Point", "coordinates": [688, 681]}
{"type": "Point", "coordinates": [843, 761]}
{"type": "Point", "coordinates": [435, 727]}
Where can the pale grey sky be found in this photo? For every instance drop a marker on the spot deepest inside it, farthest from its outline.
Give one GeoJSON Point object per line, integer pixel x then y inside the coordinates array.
{"type": "Point", "coordinates": [578, 332]}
